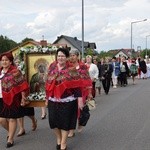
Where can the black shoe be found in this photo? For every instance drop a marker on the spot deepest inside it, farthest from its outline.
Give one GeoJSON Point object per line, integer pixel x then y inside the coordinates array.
{"type": "Point", "coordinates": [9, 144]}
{"type": "Point", "coordinates": [70, 136]}
{"type": "Point", "coordinates": [106, 92]}
{"type": "Point", "coordinates": [58, 146]}
{"type": "Point", "coordinates": [21, 134]}
{"type": "Point", "coordinates": [43, 117]}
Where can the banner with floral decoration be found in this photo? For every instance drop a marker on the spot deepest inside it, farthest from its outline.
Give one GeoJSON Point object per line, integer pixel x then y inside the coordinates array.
{"type": "Point", "coordinates": [20, 61]}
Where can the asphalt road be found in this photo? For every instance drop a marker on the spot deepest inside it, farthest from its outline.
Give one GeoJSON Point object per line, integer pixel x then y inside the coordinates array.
{"type": "Point", "coordinates": [121, 121]}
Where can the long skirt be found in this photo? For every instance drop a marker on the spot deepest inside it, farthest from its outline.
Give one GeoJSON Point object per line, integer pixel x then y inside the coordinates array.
{"type": "Point", "coordinates": [11, 111]}
{"type": "Point", "coordinates": [63, 115]}
{"type": "Point", "coordinates": [28, 111]}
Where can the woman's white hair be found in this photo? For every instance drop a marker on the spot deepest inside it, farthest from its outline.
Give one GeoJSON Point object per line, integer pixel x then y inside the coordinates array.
{"type": "Point", "coordinates": [74, 51]}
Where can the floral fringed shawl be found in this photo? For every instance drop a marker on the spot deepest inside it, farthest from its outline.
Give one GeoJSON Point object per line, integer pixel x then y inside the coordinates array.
{"type": "Point", "coordinates": [67, 78]}
{"type": "Point", "coordinates": [13, 83]}
{"type": "Point", "coordinates": [86, 87]}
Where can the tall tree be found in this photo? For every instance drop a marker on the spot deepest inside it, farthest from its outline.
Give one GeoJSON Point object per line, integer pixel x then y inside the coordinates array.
{"type": "Point", "coordinates": [145, 52]}
{"type": "Point", "coordinates": [26, 40]}
{"type": "Point", "coordinates": [6, 44]}
{"type": "Point", "coordinates": [104, 54]}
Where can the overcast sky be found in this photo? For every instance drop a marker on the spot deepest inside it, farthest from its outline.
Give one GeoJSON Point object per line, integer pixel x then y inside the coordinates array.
{"type": "Point", "coordinates": [106, 22]}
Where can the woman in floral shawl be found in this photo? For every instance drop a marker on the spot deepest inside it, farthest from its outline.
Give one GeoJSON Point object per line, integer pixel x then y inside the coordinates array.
{"type": "Point", "coordinates": [64, 93]}
{"type": "Point", "coordinates": [86, 92]}
{"type": "Point", "coordinates": [13, 91]}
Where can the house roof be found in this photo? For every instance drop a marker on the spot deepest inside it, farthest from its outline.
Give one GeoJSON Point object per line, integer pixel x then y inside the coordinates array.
{"type": "Point", "coordinates": [127, 52]}
{"type": "Point", "coordinates": [92, 45]}
{"type": "Point", "coordinates": [26, 43]}
{"type": "Point", "coordinates": [75, 42]}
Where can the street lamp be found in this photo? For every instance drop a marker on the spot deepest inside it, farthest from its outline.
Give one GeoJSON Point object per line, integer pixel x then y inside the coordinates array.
{"type": "Point", "coordinates": [146, 45]}
{"type": "Point", "coordinates": [131, 28]}
{"type": "Point", "coordinates": [82, 28]}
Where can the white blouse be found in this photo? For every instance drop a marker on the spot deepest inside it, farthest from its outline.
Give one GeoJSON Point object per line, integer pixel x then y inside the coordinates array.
{"type": "Point", "coordinates": [2, 74]}
{"type": "Point", "coordinates": [93, 71]}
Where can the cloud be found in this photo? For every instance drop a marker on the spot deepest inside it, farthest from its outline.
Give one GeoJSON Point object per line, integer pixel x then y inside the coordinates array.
{"type": "Point", "coordinates": [107, 23]}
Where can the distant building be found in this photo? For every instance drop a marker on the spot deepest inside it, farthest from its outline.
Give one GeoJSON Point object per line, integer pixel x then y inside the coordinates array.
{"type": "Point", "coordinates": [74, 43]}
{"type": "Point", "coordinates": [25, 44]}
{"type": "Point", "coordinates": [123, 52]}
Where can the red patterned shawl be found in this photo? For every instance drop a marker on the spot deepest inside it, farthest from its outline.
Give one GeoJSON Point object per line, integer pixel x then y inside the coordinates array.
{"type": "Point", "coordinates": [12, 83]}
{"type": "Point", "coordinates": [68, 77]}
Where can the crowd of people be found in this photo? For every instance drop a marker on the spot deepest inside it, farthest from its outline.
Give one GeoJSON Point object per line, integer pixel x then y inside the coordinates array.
{"type": "Point", "coordinates": [69, 83]}
{"type": "Point", "coordinates": [116, 71]}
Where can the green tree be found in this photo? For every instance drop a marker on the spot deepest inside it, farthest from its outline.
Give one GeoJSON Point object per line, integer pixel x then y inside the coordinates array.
{"type": "Point", "coordinates": [6, 44]}
{"type": "Point", "coordinates": [89, 51]}
{"type": "Point", "coordinates": [144, 52]}
{"type": "Point", "coordinates": [26, 40]}
{"type": "Point", "coordinates": [103, 54]}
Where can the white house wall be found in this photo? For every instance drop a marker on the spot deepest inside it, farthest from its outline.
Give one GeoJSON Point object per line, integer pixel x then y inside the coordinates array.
{"type": "Point", "coordinates": [63, 41]}
{"type": "Point", "coordinates": [121, 54]}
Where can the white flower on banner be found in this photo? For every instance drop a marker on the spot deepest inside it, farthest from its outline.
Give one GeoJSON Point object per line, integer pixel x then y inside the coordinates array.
{"type": "Point", "coordinates": [31, 49]}
{"type": "Point", "coordinates": [37, 96]}
{"type": "Point", "coordinates": [35, 49]}
{"type": "Point", "coordinates": [54, 48]}
{"type": "Point", "coordinates": [44, 49]}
